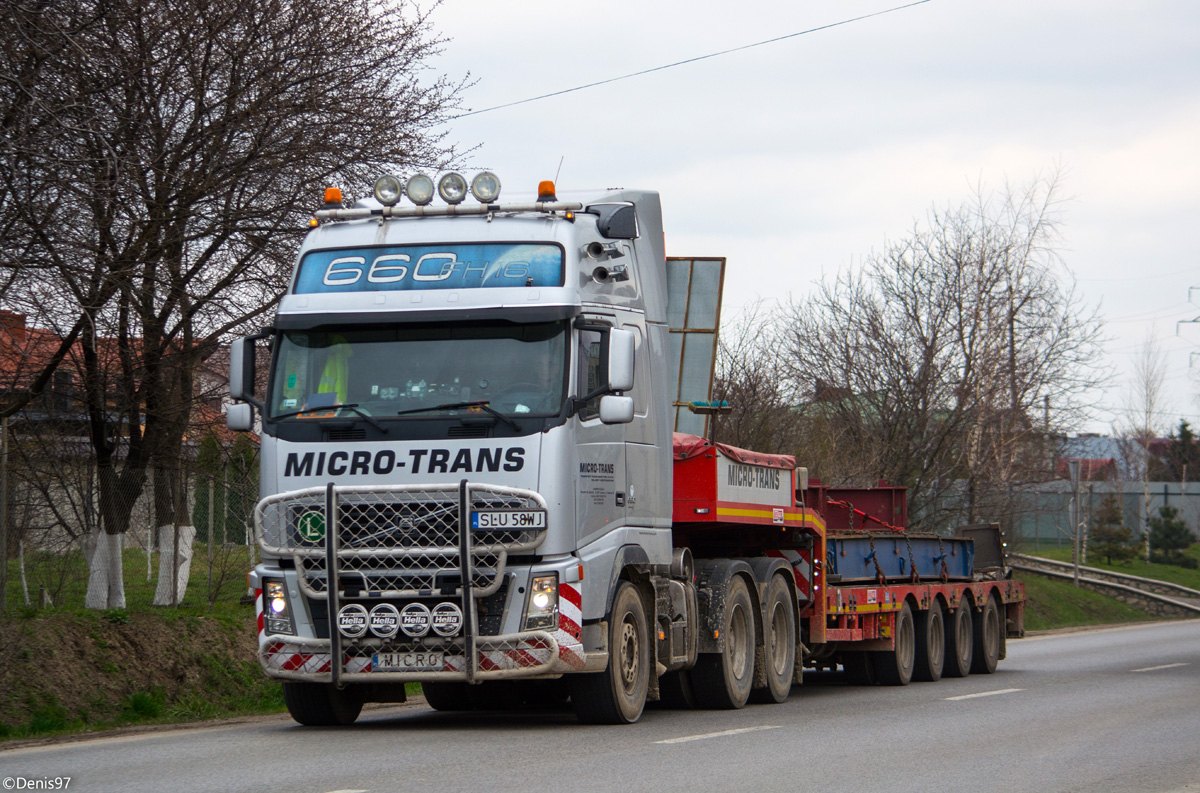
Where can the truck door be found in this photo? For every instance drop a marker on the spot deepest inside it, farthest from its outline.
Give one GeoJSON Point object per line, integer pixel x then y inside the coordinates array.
{"type": "Point", "coordinates": [643, 471]}
{"type": "Point", "coordinates": [600, 479]}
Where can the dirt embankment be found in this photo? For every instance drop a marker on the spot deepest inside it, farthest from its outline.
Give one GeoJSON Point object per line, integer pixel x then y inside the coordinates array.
{"type": "Point", "coordinates": [81, 669]}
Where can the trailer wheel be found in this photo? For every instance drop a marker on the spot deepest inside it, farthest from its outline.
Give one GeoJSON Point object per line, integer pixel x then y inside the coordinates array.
{"type": "Point", "coordinates": [987, 639]}
{"type": "Point", "coordinates": [960, 641]}
{"type": "Point", "coordinates": [320, 704]}
{"type": "Point", "coordinates": [618, 694]}
{"type": "Point", "coordinates": [859, 668]}
{"type": "Point", "coordinates": [779, 644]}
{"type": "Point", "coordinates": [931, 643]}
{"type": "Point", "coordinates": [447, 696]}
{"type": "Point", "coordinates": [895, 667]}
{"type": "Point", "coordinates": [723, 680]}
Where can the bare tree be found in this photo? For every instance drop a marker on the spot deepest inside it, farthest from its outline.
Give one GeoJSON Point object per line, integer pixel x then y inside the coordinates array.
{"type": "Point", "coordinates": [1144, 402]}
{"type": "Point", "coordinates": [931, 365]}
{"type": "Point", "coordinates": [160, 161]}
{"type": "Point", "coordinates": [750, 361]}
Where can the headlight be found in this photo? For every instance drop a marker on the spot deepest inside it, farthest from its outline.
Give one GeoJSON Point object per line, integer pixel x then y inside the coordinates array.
{"type": "Point", "coordinates": [420, 189]}
{"type": "Point", "coordinates": [485, 187]}
{"type": "Point", "coordinates": [452, 188]}
{"type": "Point", "coordinates": [277, 613]}
{"type": "Point", "coordinates": [541, 610]}
{"type": "Point", "coordinates": [388, 190]}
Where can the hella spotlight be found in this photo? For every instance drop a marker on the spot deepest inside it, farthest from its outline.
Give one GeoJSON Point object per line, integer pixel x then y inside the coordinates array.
{"type": "Point", "coordinates": [452, 188]}
{"type": "Point", "coordinates": [485, 187]}
{"type": "Point", "coordinates": [420, 189]}
{"type": "Point", "coordinates": [388, 190]}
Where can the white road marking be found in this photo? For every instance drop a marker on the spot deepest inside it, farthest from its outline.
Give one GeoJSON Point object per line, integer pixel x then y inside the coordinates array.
{"type": "Point", "coordinates": [1156, 668]}
{"type": "Point", "coordinates": [984, 694]}
{"type": "Point", "coordinates": [721, 734]}
{"type": "Point", "coordinates": [348, 791]}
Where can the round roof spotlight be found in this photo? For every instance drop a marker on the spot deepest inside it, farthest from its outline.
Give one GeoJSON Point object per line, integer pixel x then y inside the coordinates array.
{"type": "Point", "coordinates": [420, 189]}
{"type": "Point", "coordinates": [388, 190]}
{"type": "Point", "coordinates": [485, 187]}
{"type": "Point", "coordinates": [452, 188]}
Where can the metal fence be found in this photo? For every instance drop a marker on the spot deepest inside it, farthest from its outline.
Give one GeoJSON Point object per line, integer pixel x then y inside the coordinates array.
{"type": "Point", "coordinates": [55, 552]}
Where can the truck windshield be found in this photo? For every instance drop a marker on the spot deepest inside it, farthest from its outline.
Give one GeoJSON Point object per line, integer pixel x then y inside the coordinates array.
{"type": "Point", "coordinates": [421, 370]}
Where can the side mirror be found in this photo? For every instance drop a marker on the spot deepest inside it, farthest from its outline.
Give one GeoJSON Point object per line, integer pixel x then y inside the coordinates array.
{"type": "Point", "coordinates": [239, 417]}
{"type": "Point", "coordinates": [241, 370]}
{"type": "Point", "coordinates": [615, 409]}
{"type": "Point", "coordinates": [620, 359]}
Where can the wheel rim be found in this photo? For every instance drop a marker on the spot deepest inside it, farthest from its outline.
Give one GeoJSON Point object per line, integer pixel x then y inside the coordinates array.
{"type": "Point", "coordinates": [991, 636]}
{"type": "Point", "coordinates": [738, 635]}
{"type": "Point", "coordinates": [630, 651]}
{"type": "Point", "coordinates": [906, 643]}
{"type": "Point", "coordinates": [779, 629]}
{"type": "Point", "coordinates": [936, 639]}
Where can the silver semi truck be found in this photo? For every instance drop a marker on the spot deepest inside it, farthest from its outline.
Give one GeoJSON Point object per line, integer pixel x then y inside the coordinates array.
{"type": "Point", "coordinates": [470, 479]}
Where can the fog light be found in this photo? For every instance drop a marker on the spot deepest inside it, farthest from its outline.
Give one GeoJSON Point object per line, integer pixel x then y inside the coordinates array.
{"type": "Point", "coordinates": [388, 190]}
{"type": "Point", "coordinates": [420, 189]}
{"type": "Point", "coordinates": [485, 187]}
{"type": "Point", "coordinates": [452, 188]}
{"type": "Point", "coordinates": [542, 609]}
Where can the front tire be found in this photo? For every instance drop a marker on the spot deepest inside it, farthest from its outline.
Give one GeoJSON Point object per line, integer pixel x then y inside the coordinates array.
{"type": "Point", "coordinates": [320, 704]}
{"type": "Point", "coordinates": [723, 680]}
{"type": "Point", "coordinates": [447, 696]}
{"type": "Point", "coordinates": [618, 694]}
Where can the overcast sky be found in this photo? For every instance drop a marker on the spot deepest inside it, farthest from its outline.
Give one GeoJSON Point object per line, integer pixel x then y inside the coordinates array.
{"type": "Point", "coordinates": [799, 158]}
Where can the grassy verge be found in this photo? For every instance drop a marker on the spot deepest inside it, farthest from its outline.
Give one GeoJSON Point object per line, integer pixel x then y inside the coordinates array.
{"type": "Point", "coordinates": [1159, 572]}
{"type": "Point", "coordinates": [1058, 604]}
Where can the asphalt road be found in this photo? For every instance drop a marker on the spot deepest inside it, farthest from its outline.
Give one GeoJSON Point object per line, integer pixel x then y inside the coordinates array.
{"type": "Point", "coordinates": [1110, 710]}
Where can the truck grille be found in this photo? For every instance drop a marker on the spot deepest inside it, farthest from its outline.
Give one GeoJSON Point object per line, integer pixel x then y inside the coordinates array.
{"type": "Point", "coordinates": [394, 541]}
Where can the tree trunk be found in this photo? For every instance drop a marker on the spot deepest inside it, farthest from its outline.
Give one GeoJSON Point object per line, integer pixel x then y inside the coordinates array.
{"type": "Point", "coordinates": [174, 563]}
{"type": "Point", "coordinates": [106, 586]}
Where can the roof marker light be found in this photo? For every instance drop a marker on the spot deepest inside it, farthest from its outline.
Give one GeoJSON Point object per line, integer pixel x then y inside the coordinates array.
{"type": "Point", "coordinates": [388, 190]}
{"type": "Point", "coordinates": [546, 191]}
{"type": "Point", "coordinates": [452, 188]}
{"type": "Point", "coordinates": [485, 187]}
{"type": "Point", "coordinates": [333, 195]}
{"type": "Point", "coordinates": [420, 189]}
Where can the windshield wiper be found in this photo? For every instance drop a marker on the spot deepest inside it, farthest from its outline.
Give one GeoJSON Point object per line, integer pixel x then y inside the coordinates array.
{"type": "Point", "coordinates": [481, 403]}
{"type": "Point", "coordinates": [348, 406]}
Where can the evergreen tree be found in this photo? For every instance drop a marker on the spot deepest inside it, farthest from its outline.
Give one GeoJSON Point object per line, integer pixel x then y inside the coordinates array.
{"type": "Point", "coordinates": [1110, 537]}
{"type": "Point", "coordinates": [1169, 538]}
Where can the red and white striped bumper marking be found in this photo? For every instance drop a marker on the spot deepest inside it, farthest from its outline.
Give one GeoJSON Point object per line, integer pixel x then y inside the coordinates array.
{"type": "Point", "coordinates": [801, 562]}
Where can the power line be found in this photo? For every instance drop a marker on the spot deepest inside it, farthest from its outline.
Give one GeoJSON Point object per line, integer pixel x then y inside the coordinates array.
{"type": "Point", "coordinates": [689, 60]}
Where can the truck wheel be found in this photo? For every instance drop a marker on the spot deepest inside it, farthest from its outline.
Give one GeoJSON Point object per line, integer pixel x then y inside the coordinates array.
{"type": "Point", "coordinates": [987, 639]}
{"type": "Point", "coordinates": [320, 704]}
{"type": "Point", "coordinates": [723, 680]}
{"type": "Point", "coordinates": [779, 644]}
{"type": "Point", "coordinates": [675, 690]}
{"type": "Point", "coordinates": [895, 667]}
{"type": "Point", "coordinates": [859, 669]}
{"type": "Point", "coordinates": [931, 643]}
{"type": "Point", "coordinates": [618, 694]}
{"type": "Point", "coordinates": [959, 641]}
{"type": "Point", "coordinates": [447, 696]}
